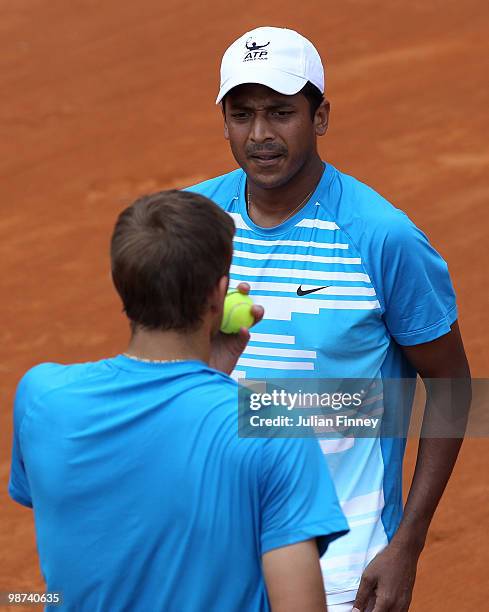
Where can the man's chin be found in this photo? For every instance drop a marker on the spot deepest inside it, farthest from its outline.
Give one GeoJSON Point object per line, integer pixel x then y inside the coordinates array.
{"type": "Point", "coordinates": [267, 179]}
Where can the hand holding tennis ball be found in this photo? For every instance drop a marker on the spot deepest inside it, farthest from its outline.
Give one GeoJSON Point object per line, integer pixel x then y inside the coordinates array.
{"type": "Point", "coordinates": [237, 312]}
{"type": "Point", "coordinates": [227, 345]}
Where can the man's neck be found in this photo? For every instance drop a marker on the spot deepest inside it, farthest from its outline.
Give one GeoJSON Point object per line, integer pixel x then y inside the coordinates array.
{"type": "Point", "coordinates": [169, 345]}
{"type": "Point", "coordinates": [270, 206]}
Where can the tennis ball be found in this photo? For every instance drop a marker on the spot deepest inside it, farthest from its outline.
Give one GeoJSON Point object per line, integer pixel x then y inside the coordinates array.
{"type": "Point", "coordinates": [237, 312]}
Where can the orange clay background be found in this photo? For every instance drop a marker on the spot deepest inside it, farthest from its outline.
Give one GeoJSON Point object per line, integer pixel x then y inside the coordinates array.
{"type": "Point", "coordinates": [102, 101]}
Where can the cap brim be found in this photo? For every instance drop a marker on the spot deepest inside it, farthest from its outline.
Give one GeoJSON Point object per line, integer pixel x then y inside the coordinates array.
{"type": "Point", "coordinates": [283, 82]}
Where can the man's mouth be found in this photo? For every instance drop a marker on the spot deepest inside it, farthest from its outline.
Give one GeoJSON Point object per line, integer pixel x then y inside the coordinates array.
{"type": "Point", "coordinates": [266, 155]}
{"type": "Point", "coordinates": [266, 159]}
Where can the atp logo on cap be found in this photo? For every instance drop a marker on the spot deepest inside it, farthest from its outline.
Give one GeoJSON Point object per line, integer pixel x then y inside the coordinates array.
{"type": "Point", "coordinates": [255, 51]}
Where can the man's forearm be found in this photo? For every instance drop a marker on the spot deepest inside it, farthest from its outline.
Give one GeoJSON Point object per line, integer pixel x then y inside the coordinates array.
{"type": "Point", "coordinates": [434, 465]}
{"type": "Point", "coordinates": [389, 577]}
{"type": "Point", "coordinates": [446, 414]}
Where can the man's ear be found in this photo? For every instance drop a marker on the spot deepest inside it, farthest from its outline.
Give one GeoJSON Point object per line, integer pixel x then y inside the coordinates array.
{"type": "Point", "coordinates": [226, 131]}
{"type": "Point", "coordinates": [216, 304]}
{"type": "Point", "coordinates": [223, 287]}
{"type": "Point", "coordinates": [321, 118]}
{"type": "Point", "coordinates": [216, 299]}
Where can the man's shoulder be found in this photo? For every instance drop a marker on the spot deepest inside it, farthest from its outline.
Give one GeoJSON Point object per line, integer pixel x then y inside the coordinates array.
{"type": "Point", "coordinates": [358, 205]}
{"type": "Point", "coordinates": [217, 390]}
{"type": "Point", "coordinates": [220, 380]}
{"type": "Point", "coordinates": [50, 376]}
{"type": "Point", "coordinates": [220, 189]}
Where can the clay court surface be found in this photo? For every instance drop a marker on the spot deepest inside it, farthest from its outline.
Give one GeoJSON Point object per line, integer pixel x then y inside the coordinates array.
{"type": "Point", "coordinates": [103, 101]}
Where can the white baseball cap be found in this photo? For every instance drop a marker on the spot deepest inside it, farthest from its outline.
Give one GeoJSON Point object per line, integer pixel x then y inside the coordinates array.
{"type": "Point", "coordinates": [279, 58]}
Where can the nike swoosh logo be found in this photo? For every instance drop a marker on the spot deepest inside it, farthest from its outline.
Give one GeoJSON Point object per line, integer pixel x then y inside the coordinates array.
{"type": "Point", "coordinates": [300, 290]}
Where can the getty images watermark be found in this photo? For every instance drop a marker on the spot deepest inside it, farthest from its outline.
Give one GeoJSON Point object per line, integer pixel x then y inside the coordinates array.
{"type": "Point", "coordinates": [293, 401]}
{"type": "Point", "coordinates": [363, 408]}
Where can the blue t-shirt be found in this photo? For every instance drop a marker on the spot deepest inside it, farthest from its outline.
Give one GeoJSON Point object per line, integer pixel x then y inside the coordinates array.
{"type": "Point", "coordinates": [373, 282]}
{"type": "Point", "coordinates": [144, 496]}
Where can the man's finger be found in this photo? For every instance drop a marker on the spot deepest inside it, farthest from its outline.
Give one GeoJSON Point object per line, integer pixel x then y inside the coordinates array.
{"type": "Point", "coordinates": [383, 604]}
{"type": "Point", "coordinates": [244, 337]}
{"type": "Point", "coordinates": [364, 593]}
{"type": "Point", "coordinates": [243, 288]}
{"type": "Point", "coordinates": [257, 311]}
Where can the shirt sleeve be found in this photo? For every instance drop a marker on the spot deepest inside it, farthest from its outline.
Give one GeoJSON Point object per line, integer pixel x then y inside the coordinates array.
{"type": "Point", "coordinates": [418, 295]}
{"type": "Point", "coordinates": [298, 497]}
{"type": "Point", "coordinates": [18, 487]}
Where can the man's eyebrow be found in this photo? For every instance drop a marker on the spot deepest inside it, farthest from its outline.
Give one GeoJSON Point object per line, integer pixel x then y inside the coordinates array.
{"type": "Point", "coordinates": [272, 106]}
{"type": "Point", "coordinates": [283, 104]}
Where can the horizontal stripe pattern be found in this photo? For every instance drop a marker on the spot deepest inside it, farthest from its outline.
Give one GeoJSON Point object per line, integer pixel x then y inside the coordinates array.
{"type": "Point", "coordinates": [366, 521]}
{"type": "Point", "coordinates": [292, 288]}
{"type": "Point", "coordinates": [274, 338]}
{"type": "Point", "coordinates": [292, 243]}
{"type": "Point", "coordinates": [317, 224]}
{"type": "Point", "coordinates": [239, 222]}
{"type": "Point", "coordinates": [321, 275]}
{"type": "Point", "coordinates": [298, 257]}
{"type": "Point", "coordinates": [352, 559]}
{"type": "Point", "coordinates": [312, 264]}
{"type": "Point", "coordinates": [275, 364]}
{"type": "Point", "coordinates": [363, 504]}
{"type": "Point", "coordinates": [312, 254]}
{"type": "Point", "coordinates": [331, 447]}
{"type": "Point", "coordinates": [281, 309]}
{"type": "Point", "coordinates": [279, 352]}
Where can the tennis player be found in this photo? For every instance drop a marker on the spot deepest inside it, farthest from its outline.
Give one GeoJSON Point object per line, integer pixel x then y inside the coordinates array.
{"type": "Point", "coordinates": [352, 289]}
{"type": "Point", "coordinates": [144, 497]}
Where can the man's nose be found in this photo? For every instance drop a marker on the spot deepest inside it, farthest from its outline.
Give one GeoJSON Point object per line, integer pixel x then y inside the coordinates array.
{"type": "Point", "coordinates": [260, 129]}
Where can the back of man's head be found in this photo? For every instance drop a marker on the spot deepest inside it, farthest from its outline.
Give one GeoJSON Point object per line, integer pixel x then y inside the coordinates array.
{"type": "Point", "coordinates": [168, 252]}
